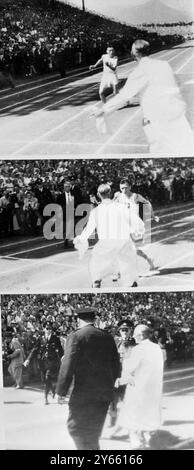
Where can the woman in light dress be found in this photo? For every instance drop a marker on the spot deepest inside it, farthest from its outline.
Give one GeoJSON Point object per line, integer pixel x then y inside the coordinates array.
{"type": "Point", "coordinates": [16, 364]}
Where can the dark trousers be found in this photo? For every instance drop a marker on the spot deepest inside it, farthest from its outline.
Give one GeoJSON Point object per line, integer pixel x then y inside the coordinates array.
{"type": "Point", "coordinates": [49, 383]}
{"type": "Point", "coordinates": [85, 424]}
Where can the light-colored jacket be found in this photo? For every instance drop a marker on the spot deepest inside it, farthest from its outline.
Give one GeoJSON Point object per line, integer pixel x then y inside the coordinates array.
{"type": "Point", "coordinates": [113, 221]}
{"type": "Point", "coordinates": [17, 356]}
{"type": "Point", "coordinates": [141, 408]}
{"type": "Point", "coordinates": [154, 81]}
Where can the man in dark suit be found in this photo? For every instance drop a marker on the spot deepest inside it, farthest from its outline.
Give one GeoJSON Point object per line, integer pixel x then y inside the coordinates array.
{"type": "Point", "coordinates": [69, 199]}
{"type": "Point", "coordinates": [91, 360]}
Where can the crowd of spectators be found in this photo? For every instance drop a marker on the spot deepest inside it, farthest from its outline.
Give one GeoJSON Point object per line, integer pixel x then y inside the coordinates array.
{"type": "Point", "coordinates": [39, 37]}
{"type": "Point", "coordinates": [26, 187]}
{"type": "Point", "coordinates": [185, 30]}
{"type": "Point", "coordinates": [169, 315]}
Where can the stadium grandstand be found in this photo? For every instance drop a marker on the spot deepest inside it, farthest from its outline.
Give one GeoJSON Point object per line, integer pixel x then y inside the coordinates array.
{"type": "Point", "coordinates": [37, 35]}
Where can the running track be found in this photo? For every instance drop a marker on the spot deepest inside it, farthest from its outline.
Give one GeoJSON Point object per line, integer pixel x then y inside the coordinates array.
{"type": "Point", "coordinates": [53, 117]}
{"type": "Point", "coordinates": [37, 265]}
{"type": "Point", "coordinates": [30, 425]}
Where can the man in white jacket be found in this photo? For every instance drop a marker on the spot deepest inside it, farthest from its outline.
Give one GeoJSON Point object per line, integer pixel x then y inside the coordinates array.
{"type": "Point", "coordinates": [115, 224]}
{"type": "Point", "coordinates": [166, 127]}
{"type": "Point", "coordinates": [140, 413]}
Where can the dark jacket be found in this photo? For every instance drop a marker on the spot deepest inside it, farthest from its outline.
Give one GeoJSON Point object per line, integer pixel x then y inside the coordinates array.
{"type": "Point", "coordinates": [92, 361]}
{"type": "Point", "coordinates": [76, 193]}
{"type": "Point", "coordinates": [48, 352]}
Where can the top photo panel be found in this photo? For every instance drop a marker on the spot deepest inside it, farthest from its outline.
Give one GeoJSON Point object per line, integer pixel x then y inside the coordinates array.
{"type": "Point", "coordinates": [96, 78]}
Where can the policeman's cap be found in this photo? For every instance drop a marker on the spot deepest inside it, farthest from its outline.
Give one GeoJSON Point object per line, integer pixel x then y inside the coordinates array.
{"type": "Point", "coordinates": [125, 324]}
{"type": "Point", "coordinates": [86, 312]}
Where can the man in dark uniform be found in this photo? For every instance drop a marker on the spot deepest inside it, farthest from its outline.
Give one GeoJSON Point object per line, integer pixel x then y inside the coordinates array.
{"type": "Point", "coordinates": [49, 352]}
{"type": "Point", "coordinates": [91, 360]}
{"type": "Point", "coordinates": [124, 344]}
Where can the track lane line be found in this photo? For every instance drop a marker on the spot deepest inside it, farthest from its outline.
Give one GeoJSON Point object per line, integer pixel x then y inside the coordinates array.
{"type": "Point", "coordinates": [179, 391]}
{"type": "Point", "coordinates": [42, 238]}
{"type": "Point", "coordinates": [185, 64]}
{"type": "Point", "coordinates": [17, 152]}
{"type": "Point", "coordinates": [72, 76]}
{"type": "Point", "coordinates": [62, 241]}
{"type": "Point", "coordinates": [112, 138]}
{"type": "Point", "coordinates": [55, 89]}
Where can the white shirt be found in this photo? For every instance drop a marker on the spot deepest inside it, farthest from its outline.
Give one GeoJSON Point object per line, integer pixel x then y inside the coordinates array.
{"type": "Point", "coordinates": [113, 61]}
{"type": "Point", "coordinates": [69, 198]}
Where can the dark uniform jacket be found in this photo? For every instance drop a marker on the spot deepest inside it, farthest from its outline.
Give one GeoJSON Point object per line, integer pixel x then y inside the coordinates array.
{"type": "Point", "coordinates": [48, 352]}
{"type": "Point", "coordinates": [92, 361]}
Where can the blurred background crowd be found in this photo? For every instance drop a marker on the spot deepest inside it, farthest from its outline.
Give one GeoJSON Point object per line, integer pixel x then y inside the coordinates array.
{"type": "Point", "coordinates": [169, 315]}
{"type": "Point", "coordinates": [43, 36]}
{"type": "Point", "coordinates": [26, 187]}
{"type": "Point", "coordinates": [177, 30]}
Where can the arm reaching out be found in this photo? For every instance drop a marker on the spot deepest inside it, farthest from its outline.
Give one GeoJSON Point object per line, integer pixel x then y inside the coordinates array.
{"type": "Point", "coordinates": [134, 84]}
{"type": "Point", "coordinates": [81, 241]}
{"type": "Point", "coordinates": [99, 62]}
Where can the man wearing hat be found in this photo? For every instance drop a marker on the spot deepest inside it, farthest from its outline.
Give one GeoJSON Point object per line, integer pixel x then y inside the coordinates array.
{"type": "Point", "coordinates": [126, 341]}
{"type": "Point", "coordinates": [49, 351]}
{"type": "Point", "coordinates": [91, 361]}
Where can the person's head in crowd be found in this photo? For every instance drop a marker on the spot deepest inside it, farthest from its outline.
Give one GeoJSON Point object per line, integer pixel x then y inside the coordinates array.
{"type": "Point", "coordinates": [125, 328]}
{"type": "Point", "coordinates": [67, 185]}
{"type": "Point", "coordinates": [155, 332]}
{"type": "Point", "coordinates": [125, 186]}
{"type": "Point", "coordinates": [15, 344]}
{"type": "Point", "coordinates": [86, 315]}
{"type": "Point", "coordinates": [141, 332]}
{"type": "Point", "coordinates": [140, 48]}
{"type": "Point", "coordinates": [110, 51]}
{"type": "Point", "coordinates": [48, 329]}
{"type": "Point", "coordinates": [104, 191]}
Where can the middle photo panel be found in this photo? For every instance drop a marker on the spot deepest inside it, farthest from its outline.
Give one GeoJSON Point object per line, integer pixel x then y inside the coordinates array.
{"type": "Point", "coordinates": [121, 224]}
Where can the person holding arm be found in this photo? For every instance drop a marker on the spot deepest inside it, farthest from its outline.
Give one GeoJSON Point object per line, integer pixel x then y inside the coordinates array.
{"type": "Point", "coordinates": [163, 109]}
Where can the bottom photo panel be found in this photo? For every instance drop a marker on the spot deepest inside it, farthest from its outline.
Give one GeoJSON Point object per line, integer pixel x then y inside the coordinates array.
{"type": "Point", "coordinates": [102, 371]}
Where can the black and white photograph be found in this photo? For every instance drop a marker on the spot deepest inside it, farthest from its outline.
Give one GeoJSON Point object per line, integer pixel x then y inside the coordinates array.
{"type": "Point", "coordinates": [96, 77]}
{"type": "Point", "coordinates": [84, 370]}
{"type": "Point", "coordinates": [86, 224]}
{"type": "Point", "coordinates": [96, 231]}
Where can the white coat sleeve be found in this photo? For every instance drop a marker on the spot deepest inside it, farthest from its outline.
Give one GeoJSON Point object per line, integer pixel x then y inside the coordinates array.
{"type": "Point", "coordinates": [130, 365]}
{"type": "Point", "coordinates": [134, 85]}
{"type": "Point", "coordinates": [90, 227]}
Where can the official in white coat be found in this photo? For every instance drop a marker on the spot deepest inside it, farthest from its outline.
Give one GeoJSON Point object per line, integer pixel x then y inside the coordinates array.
{"type": "Point", "coordinates": [115, 224]}
{"type": "Point", "coordinates": [164, 122]}
{"type": "Point", "coordinates": [140, 413]}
